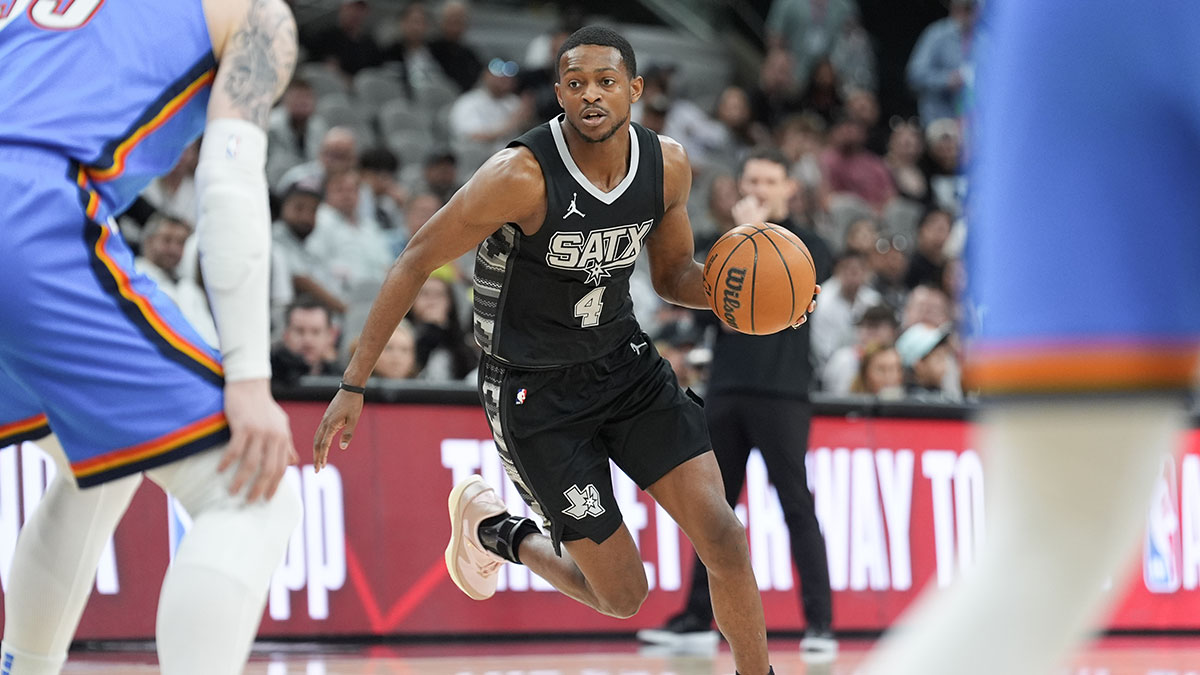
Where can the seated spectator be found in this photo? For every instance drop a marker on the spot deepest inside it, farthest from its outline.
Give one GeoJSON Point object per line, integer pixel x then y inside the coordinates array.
{"type": "Point", "coordinates": [801, 138]}
{"type": "Point", "coordinates": [844, 296]}
{"type": "Point", "coordinates": [861, 236]}
{"type": "Point", "coordinates": [299, 267]}
{"type": "Point", "coordinates": [386, 196]}
{"type": "Point", "coordinates": [823, 96]}
{"type": "Point", "coordinates": [536, 79]}
{"type": "Point", "coordinates": [942, 165]}
{"type": "Point", "coordinates": [740, 131]}
{"type": "Point", "coordinates": [849, 167]}
{"type": "Point", "coordinates": [398, 361]}
{"type": "Point", "coordinates": [162, 248]}
{"type": "Point", "coordinates": [863, 107]}
{"type": "Point", "coordinates": [483, 119]}
{"type": "Point", "coordinates": [458, 60]}
{"type": "Point", "coordinates": [928, 261]}
{"type": "Point", "coordinates": [355, 251]}
{"type": "Point", "coordinates": [889, 267]}
{"type": "Point", "coordinates": [173, 193]}
{"type": "Point", "coordinates": [777, 95]}
{"type": "Point", "coordinates": [876, 326]}
{"type": "Point", "coordinates": [338, 153]}
{"type": "Point", "coordinates": [928, 305]}
{"type": "Point", "coordinates": [443, 351]}
{"type": "Point", "coordinates": [293, 131]}
{"type": "Point", "coordinates": [418, 68]}
{"type": "Point", "coordinates": [880, 373]}
{"type": "Point", "coordinates": [439, 176]}
{"type": "Point", "coordinates": [347, 45]}
{"type": "Point", "coordinates": [930, 364]}
{"type": "Point", "coordinates": [904, 150]}
{"type": "Point", "coordinates": [309, 343]}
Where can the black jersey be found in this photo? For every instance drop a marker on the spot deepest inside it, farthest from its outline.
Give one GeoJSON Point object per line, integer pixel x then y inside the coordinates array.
{"type": "Point", "coordinates": [561, 296]}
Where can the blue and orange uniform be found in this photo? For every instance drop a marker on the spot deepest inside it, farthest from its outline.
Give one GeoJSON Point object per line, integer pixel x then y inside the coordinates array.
{"type": "Point", "coordinates": [96, 99]}
{"type": "Point", "coordinates": [1084, 245]}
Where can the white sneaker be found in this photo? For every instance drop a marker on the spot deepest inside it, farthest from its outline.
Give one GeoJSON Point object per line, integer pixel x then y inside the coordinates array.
{"type": "Point", "coordinates": [818, 647]}
{"type": "Point", "coordinates": [472, 567]}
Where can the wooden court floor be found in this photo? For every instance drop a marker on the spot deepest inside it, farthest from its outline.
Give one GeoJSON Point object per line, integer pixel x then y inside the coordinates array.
{"type": "Point", "coordinates": [1112, 656]}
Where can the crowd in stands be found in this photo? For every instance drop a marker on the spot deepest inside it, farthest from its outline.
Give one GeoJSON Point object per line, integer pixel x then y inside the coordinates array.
{"type": "Point", "coordinates": [370, 140]}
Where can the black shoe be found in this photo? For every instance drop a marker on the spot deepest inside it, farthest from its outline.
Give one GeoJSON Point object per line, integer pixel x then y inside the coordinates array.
{"type": "Point", "coordinates": [818, 646]}
{"type": "Point", "coordinates": [681, 630]}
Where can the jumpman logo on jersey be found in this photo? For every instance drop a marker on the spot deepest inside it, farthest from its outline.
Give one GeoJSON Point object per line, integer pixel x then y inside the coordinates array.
{"type": "Point", "coordinates": [572, 208]}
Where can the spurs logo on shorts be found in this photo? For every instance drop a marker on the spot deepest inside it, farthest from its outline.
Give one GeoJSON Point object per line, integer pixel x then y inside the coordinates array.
{"type": "Point", "coordinates": [599, 251]}
{"type": "Point", "coordinates": [584, 503]}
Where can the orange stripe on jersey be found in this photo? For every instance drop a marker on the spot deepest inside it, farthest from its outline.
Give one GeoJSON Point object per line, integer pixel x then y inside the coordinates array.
{"type": "Point", "coordinates": [1081, 368]}
{"type": "Point", "coordinates": [22, 426]}
{"type": "Point", "coordinates": [142, 451]}
{"type": "Point", "coordinates": [148, 312]}
{"type": "Point", "coordinates": [93, 199]}
{"type": "Point", "coordinates": [173, 106]}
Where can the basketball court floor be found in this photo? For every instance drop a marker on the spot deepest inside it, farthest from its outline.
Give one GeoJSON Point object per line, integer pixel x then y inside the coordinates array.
{"type": "Point", "coordinates": [1111, 656]}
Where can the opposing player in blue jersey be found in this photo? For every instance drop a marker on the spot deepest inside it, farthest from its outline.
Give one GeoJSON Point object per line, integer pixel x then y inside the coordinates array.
{"type": "Point", "coordinates": [98, 98]}
{"type": "Point", "coordinates": [1083, 251]}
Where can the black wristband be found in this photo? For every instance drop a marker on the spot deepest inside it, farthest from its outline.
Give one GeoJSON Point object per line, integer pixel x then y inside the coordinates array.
{"type": "Point", "coordinates": [351, 388]}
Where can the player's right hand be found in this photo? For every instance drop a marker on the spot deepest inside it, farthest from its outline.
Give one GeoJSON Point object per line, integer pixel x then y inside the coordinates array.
{"type": "Point", "coordinates": [341, 416]}
{"type": "Point", "coordinates": [260, 439]}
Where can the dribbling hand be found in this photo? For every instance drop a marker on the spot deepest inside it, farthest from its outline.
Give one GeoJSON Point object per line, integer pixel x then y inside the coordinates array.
{"type": "Point", "coordinates": [341, 416]}
{"type": "Point", "coordinates": [260, 439]}
{"type": "Point", "coordinates": [811, 307]}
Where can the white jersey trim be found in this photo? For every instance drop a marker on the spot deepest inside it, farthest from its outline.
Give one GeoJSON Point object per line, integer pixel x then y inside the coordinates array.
{"type": "Point", "coordinates": [607, 197]}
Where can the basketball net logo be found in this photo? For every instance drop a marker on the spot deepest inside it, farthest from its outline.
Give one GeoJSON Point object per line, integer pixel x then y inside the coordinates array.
{"type": "Point", "coordinates": [1162, 555]}
{"type": "Point", "coordinates": [598, 252]}
{"type": "Point", "coordinates": [584, 503]}
{"type": "Point", "coordinates": [572, 209]}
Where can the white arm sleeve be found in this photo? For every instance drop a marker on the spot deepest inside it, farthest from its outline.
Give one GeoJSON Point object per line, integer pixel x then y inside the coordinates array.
{"type": "Point", "coordinates": [234, 228]}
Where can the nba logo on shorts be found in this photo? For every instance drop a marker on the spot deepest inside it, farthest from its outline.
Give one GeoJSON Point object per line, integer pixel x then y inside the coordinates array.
{"type": "Point", "coordinates": [1162, 556]}
{"type": "Point", "coordinates": [521, 393]}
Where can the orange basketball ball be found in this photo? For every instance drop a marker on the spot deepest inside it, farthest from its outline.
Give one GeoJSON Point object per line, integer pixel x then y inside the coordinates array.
{"type": "Point", "coordinates": [759, 278]}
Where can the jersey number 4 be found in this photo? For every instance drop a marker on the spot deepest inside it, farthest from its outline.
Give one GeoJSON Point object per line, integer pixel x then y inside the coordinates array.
{"type": "Point", "coordinates": [589, 306]}
{"type": "Point", "coordinates": [50, 14]}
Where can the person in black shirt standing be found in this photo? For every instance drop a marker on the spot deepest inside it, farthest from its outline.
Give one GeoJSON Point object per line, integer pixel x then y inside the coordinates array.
{"type": "Point", "coordinates": [567, 378]}
{"type": "Point", "coordinates": [757, 397]}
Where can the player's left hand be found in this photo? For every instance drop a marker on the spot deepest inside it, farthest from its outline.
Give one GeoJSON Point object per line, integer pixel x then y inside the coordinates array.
{"type": "Point", "coordinates": [811, 306]}
{"type": "Point", "coordinates": [341, 416]}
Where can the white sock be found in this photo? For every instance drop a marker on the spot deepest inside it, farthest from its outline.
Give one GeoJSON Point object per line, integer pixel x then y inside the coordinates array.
{"type": "Point", "coordinates": [214, 593]}
{"type": "Point", "coordinates": [13, 661]}
{"type": "Point", "coordinates": [1068, 485]}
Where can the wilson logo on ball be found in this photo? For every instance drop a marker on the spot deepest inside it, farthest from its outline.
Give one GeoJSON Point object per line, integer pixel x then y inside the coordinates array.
{"type": "Point", "coordinates": [735, 278]}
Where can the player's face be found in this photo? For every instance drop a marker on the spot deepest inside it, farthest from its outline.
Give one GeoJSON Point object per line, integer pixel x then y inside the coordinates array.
{"type": "Point", "coordinates": [595, 91]}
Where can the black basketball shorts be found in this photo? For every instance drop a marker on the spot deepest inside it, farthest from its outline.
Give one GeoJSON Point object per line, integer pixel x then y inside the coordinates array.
{"type": "Point", "coordinates": [556, 430]}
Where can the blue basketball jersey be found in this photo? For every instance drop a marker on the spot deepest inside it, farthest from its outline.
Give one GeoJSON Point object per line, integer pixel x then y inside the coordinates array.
{"type": "Point", "coordinates": [1084, 245]}
{"type": "Point", "coordinates": [121, 87]}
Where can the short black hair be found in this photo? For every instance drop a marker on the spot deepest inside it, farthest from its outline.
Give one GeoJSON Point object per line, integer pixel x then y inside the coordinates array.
{"type": "Point", "coordinates": [378, 159]}
{"type": "Point", "coordinates": [307, 302]}
{"type": "Point", "coordinates": [766, 154]}
{"type": "Point", "coordinates": [603, 37]}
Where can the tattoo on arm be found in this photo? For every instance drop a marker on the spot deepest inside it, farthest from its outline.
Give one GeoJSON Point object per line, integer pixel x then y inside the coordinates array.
{"type": "Point", "coordinates": [260, 59]}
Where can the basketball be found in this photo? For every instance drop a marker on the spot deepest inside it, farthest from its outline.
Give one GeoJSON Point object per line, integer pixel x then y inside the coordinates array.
{"type": "Point", "coordinates": [759, 278]}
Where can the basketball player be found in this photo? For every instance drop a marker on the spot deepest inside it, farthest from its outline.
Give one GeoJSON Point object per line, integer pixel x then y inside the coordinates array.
{"type": "Point", "coordinates": [94, 106]}
{"type": "Point", "coordinates": [568, 379]}
{"type": "Point", "coordinates": [1083, 256]}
